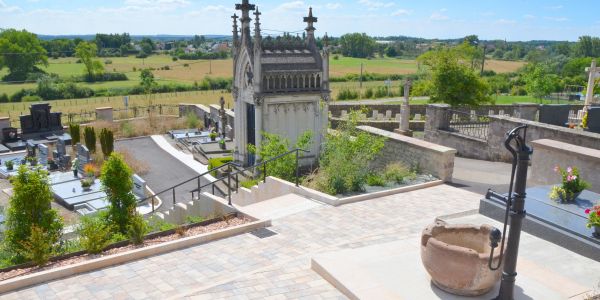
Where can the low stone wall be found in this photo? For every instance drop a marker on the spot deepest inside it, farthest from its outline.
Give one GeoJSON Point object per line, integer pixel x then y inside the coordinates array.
{"type": "Point", "coordinates": [200, 110]}
{"type": "Point", "coordinates": [387, 125]}
{"type": "Point", "coordinates": [336, 109]}
{"type": "Point", "coordinates": [465, 146]}
{"type": "Point", "coordinates": [499, 125]}
{"type": "Point", "coordinates": [549, 153]}
{"type": "Point", "coordinates": [428, 157]}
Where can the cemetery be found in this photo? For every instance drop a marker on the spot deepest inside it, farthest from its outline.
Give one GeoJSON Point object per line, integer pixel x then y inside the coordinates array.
{"type": "Point", "coordinates": [290, 194]}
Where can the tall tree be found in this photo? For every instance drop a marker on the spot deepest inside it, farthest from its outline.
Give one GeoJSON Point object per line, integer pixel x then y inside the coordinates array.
{"type": "Point", "coordinates": [452, 80]}
{"type": "Point", "coordinates": [20, 52]}
{"type": "Point", "coordinates": [87, 51]}
{"type": "Point", "coordinates": [357, 45]}
{"type": "Point", "coordinates": [538, 81]}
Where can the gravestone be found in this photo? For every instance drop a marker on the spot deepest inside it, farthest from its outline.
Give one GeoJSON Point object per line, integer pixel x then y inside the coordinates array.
{"type": "Point", "coordinates": [41, 120]}
{"type": "Point", "coordinates": [61, 146]}
{"type": "Point", "coordinates": [9, 135]}
{"type": "Point", "coordinates": [388, 114]}
{"type": "Point", "coordinates": [418, 117]}
{"type": "Point", "coordinates": [42, 154]}
{"type": "Point", "coordinates": [375, 114]}
{"type": "Point", "coordinates": [83, 156]}
{"type": "Point", "coordinates": [344, 113]}
{"type": "Point", "coordinates": [593, 122]}
{"type": "Point", "coordinates": [30, 148]}
{"type": "Point", "coordinates": [555, 114]}
{"type": "Point", "coordinates": [139, 186]}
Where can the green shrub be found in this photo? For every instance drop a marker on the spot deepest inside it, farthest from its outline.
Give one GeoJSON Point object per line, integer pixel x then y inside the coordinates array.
{"type": "Point", "coordinates": [217, 162]}
{"type": "Point", "coordinates": [348, 94]}
{"type": "Point", "coordinates": [4, 98]}
{"type": "Point", "coordinates": [107, 142]}
{"type": "Point", "coordinates": [192, 120]}
{"type": "Point", "coordinates": [375, 180]}
{"type": "Point", "coordinates": [75, 132]}
{"type": "Point", "coordinates": [31, 99]}
{"type": "Point", "coordinates": [137, 229]}
{"type": "Point", "coordinates": [156, 224]}
{"type": "Point", "coordinates": [117, 237]}
{"type": "Point", "coordinates": [345, 158]}
{"type": "Point", "coordinates": [398, 173]}
{"type": "Point", "coordinates": [118, 186]}
{"type": "Point", "coordinates": [39, 246]}
{"type": "Point", "coordinates": [249, 183]}
{"type": "Point", "coordinates": [194, 219]}
{"type": "Point", "coordinates": [94, 234]}
{"type": "Point", "coordinates": [368, 93]}
{"type": "Point", "coordinates": [89, 136]}
{"type": "Point", "coordinates": [273, 145]}
{"type": "Point", "coordinates": [29, 207]}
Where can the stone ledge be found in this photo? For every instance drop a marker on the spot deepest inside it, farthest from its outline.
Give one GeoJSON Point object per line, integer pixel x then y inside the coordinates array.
{"type": "Point", "coordinates": [120, 258]}
{"type": "Point", "coordinates": [567, 148]}
{"type": "Point", "coordinates": [412, 141]}
{"type": "Point", "coordinates": [404, 189]}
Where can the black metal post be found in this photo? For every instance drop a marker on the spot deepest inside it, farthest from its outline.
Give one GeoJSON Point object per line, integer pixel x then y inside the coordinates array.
{"type": "Point", "coordinates": [517, 214]}
{"type": "Point", "coordinates": [297, 170]}
{"type": "Point", "coordinates": [199, 187]}
{"type": "Point", "coordinates": [174, 196]}
{"type": "Point", "coordinates": [213, 188]}
{"type": "Point", "coordinates": [152, 203]}
{"type": "Point", "coordinates": [229, 188]}
{"type": "Point", "coordinates": [265, 172]}
{"type": "Point", "coordinates": [237, 182]}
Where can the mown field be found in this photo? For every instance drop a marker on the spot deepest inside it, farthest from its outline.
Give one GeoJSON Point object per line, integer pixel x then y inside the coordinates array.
{"type": "Point", "coordinates": [188, 72]}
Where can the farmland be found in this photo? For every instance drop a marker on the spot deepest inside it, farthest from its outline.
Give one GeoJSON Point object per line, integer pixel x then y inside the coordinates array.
{"type": "Point", "coordinates": [187, 72]}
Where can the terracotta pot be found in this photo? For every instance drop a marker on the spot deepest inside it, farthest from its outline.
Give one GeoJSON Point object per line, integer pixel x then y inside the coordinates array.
{"type": "Point", "coordinates": [456, 257]}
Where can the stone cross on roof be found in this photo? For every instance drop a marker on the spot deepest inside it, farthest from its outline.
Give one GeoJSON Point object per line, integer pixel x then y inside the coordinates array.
{"type": "Point", "coordinates": [245, 7]}
{"type": "Point", "coordinates": [257, 22]}
{"type": "Point", "coordinates": [310, 20]}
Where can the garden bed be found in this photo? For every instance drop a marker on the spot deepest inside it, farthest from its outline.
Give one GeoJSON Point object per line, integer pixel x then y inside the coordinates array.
{"type": "Point", "coordinates": [419, 179]}
{"type": "Point", "coordinates": [153, 239]}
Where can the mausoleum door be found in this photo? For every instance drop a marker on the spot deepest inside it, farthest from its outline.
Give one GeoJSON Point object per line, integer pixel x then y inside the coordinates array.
{"type": "Point", "coordinates": [250, 131]}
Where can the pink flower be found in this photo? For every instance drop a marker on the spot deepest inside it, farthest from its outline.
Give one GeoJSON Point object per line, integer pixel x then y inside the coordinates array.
{"type": "Point", "coordinates": [569, 170]}
{"type": "Point", "coordinates": [569, 178]}
{"type": "Point", "coordinates": [587, 211]}
{"type": "Point", "coordinates": [574, 177]}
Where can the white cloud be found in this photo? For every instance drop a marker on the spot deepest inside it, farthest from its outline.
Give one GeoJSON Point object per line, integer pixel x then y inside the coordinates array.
{"type": "Point", "coordinates": [436, 16]}
{"type": "Point", "coordinates": [288, 6]}
{"type": "Point", "coordinates": [8, 8]}
{"type": "Point", "coordinates": [401, 12]}
{"type": "Point", "coordinates": [373, 5]}
{"type": "Point", "coordinates": [506, 22]}
{"type": "Point", "coordinates": [557, 19]}
{"type": "Point", "coordinates": [529, 17]}
{"type": "Point", "coordinates": [333, 5]}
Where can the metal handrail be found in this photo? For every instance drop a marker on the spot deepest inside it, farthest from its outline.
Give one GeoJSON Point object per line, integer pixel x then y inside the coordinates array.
{"type": "Point", "coordinates": [263, 164]}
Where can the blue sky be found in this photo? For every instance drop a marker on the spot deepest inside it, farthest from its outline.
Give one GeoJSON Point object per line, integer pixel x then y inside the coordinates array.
{"type": "Point", "coordinates": [490, 19]}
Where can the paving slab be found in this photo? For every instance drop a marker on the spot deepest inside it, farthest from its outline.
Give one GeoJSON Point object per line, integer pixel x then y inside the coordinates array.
{"type": "Point", "coordinates": [280, 207]}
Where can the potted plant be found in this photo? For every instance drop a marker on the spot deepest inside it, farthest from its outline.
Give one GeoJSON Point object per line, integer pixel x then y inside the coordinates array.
{"type": "Point", "coordinates": [594, 219]}
{"type": "Point", "coordinates": [89, 170]}
{"type": "Point", "coordinates": [52, 164]}
{"type": "Point", "coordinates": [86, 183]}
{"type": "Point", "coordinates": [222, 144]}
{"type": "Point", "coordinates": [572, 185]}
{"type": "Point", "coordinates": [213, 136]}
{"type": "Point", "coordinates": [10, 165]}
{"type": "Point", "coordinates": [32, 161]}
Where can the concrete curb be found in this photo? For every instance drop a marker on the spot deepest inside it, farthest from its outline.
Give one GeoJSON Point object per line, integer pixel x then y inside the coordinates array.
{"type": "Point", "coordinates": [120, 258]}
{"type": "Point", "coordinates": [404, 189]}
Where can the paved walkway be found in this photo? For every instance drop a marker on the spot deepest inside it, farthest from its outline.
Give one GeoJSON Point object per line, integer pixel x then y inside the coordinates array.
{"type": "Point", "coordinates": [164, 171]}
{"type": "Point", "coordinates": [277, 267]}
{"type": "Point", "coordinates": [479, 175]}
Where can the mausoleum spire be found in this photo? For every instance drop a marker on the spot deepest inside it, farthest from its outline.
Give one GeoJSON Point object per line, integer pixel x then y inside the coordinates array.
{"type": "Point", "coordinates": [245, 7]}
{"type": "Point", "coordinates": [257, 36]}
{"type": "Point", "coordinates": [235, 30]}
{"type": "Point", "coordinates": [310, 29]}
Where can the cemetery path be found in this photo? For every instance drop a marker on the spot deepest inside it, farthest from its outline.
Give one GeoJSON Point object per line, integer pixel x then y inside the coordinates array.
{"type": "Point", "coordinates": [479, 175]}
{"type": "Point", "coordinates": [164, 171]}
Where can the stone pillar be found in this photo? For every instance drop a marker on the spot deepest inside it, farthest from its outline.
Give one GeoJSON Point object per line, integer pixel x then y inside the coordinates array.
{"type": "Point", "coordinates": [104, 114]}
{"type": "Point", "coordinates": [436, 117]}
{"type": "Point", "coordinates": [258, 128]}
{"type": "Point", "coordinates": [4, 123]}
{"type": "Point", "coordinates": [526, 111]}
{"type": "Point", "coordinates": [405, 112]}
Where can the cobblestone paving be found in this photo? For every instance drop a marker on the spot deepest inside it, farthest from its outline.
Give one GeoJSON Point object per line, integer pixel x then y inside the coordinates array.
{"type": "Point", "coordinates": [277, 267]}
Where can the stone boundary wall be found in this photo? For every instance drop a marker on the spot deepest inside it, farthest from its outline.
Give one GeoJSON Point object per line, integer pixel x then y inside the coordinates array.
{"type": "Point", "coordinates": [499, 125]}
{"type": "Point", "coordinates": [428, 157]}
{"type": "Point", "coordinates": [549, 153]}
{"type": "Point", "coordinates": [387, 125]}
{"type": "Point", "coordinates": [336, 109]}
{"type": "Point", "coordinates": [492, 148]}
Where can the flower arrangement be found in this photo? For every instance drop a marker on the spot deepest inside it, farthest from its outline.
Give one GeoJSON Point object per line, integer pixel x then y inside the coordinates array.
{"type": "Point", "coordinates": [10, 165]}
{"type": "Point", "coordinates": [213, 135]}
{"type": "Point", "coordinates": [87, 183]}
{"type": "Point", "coordinates": [593, 216]}
{"type": "Point", "coordinates": [89, 170]}
{"type": "Point", "coordinates": [572, 184]}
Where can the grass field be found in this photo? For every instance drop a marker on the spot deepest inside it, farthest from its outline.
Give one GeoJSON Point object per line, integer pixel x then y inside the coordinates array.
{"type": "Point", "coordinates": [189, 71]}
{"type": "Point", "coordinates": [503, 99]}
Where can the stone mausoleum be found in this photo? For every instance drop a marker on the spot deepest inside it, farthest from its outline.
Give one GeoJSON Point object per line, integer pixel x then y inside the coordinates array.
{"type": "Point", "coordinates": [280, 85]}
